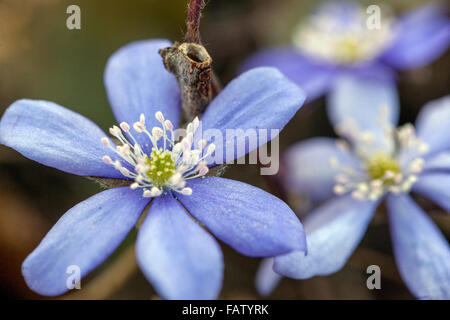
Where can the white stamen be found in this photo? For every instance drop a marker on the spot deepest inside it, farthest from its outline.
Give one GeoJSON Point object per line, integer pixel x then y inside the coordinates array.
{"type": "Point", "coordinates": [107, 159]}
{"type": "Point", "coordinates": [159, 116]}
{"type": "Point", "coordinates": [186, 191]}
{"type": "Point", "coordinates": [165, 168]}
{"type": "Point", "coordinates": [125, 127]}
{"type": "Point", "coordinates": [105, 142]}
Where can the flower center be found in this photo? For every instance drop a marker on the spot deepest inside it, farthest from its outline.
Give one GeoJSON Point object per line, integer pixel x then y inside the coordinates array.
{"type": "Point", "coordinates": [382, 166]}
{"type": "Point", "coordinates": [339, 34]}
{"type": "Point", "coordinates": [161, 167]}
{"type": "Point", "coordinates": [391, 166]}
{"type": "Point", "coordinates": [170, 164]}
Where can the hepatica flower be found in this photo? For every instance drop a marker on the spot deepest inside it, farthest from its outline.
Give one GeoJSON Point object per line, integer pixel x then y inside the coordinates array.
{"type": "Point", "coordinates": [374, 161]}
{"type": "Point", "coordinates": [177, 255]}
{"type": "Point", "coordinates": [336, 40]}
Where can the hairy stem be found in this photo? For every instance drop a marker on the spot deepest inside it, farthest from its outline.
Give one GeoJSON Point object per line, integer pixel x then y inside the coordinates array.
{"type": "Point", "coordinates": [193, 21]}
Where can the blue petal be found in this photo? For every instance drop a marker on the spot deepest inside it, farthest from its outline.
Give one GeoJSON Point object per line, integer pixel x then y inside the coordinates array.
{"type": "Point", "coordinates": [422, 36]}
{"type": "Point", "coordinates": [57, 137]}
{"type": "Point", "coordinates": [333, 232]}
{"type": "Point", "coordinates": [83, 237]}
{"type": "Point", "coordinates": [312, 77]}
{"type": "Point", "coordinates": [248, 219]}
{"type": "Point", "coordinates": [266, 279]}
{"type": "Point", "coordinates": [178, 257]}
{"type": "Point", "coordinates": [363, 102]}
{"type": "Point", "coordinates": [438, 162]}
{"type": "Point", "coordinates": [258, 99]}
{"type": "Point", "coordinates": [433, 125]}
{"type": "Point", "coordinates": [137, 82]}
{"type": "Point", "coordinates": [435, 186]}
{"type": "Point", "coordinates": [421, 251]}
{"type": "Point", "coordinates": [308, 170]}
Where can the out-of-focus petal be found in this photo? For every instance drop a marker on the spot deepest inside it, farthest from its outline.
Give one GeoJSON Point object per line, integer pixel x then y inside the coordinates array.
{"type": "Point", "coordinates": [309, 170]}
{"type": "Point", "coordinates": [439, 162]}
{"type": "Point", "coordinates": [266, 279]}
{"type": "Point", "coordinates": [312, 77]}
{"type": "Point", "coordinates": [421, 251]}
{"type": "Point", "coordinates": [422, 36]}
{"type": "Point", "coordinates": [433, 125]}
{"type": "Point", "coordinates": [333, 232]}
{"type": "Point", "coordinates": [365, 104]}
{"type": "Point", "coordinates": [435, 186]}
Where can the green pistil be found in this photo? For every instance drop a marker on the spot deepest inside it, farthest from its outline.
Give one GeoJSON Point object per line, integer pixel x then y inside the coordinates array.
{"type": "Point", "coordinates": [379, 164]}
{"type": "Point", "coordinates": [162, 167]}
{"type": "Point", "coordinates": [349, 49]}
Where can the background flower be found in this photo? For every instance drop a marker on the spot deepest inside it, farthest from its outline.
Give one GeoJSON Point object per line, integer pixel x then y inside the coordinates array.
{"type": "Point", "coordinates": [361, 179]}
{"type": "Point", "coordinates": [336, 41]}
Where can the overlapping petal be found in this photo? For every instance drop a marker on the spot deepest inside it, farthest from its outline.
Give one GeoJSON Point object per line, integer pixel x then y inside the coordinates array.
{"type": "Point", "coordinates": [333, 232]}
{"type": "Point", "coordinates": [57, 137]}
{"type": "Point", "coordinates": [312, 77]}
{"type": "Point", "coordinates": [82, 239]}
{"type": "Point", "coordinates": [438, 162]}
{"type": "Point", "coordinates": [421, 251]}
{"type": "Point", "coordinates": [248, 219]}
{"type": "Point", "coordinates": [364, 103]}
{"type": "Point", "coordinates": [266, 279]}
{"type": "Point", "coordinates": [433, 125]}
{"type": "Point", "coordinates": [179, 258]}
{"type": "Point", "coordinates": [435, 186]}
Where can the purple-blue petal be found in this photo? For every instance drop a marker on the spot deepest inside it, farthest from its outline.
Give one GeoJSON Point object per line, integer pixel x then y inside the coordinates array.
{"type": "Point", "coordinates": [421, 251]}
{"type": "Point", "coordinates": [308, 170]}
{"type": "Point", "coordinates": [364, 102]}
{"type": "Point", "coordinates": [313, 77]}
{"type": "Point", "coordinates": [266, 279]}
{"type": "Point", "coordinates": [177, 256]}
{"type": "Point", "coordinates": [333, 232]}
{"type": "Point", "coordinates": [250, 220]}
{"type": "Point", "coordinates": [435, 186]}
{"type": "Point", "coordinates": [260, 99]}
{"type": "Point", "coordinates": [56, 137]}
{"type": "Point", "coordinates": [137, 82]}
{"type": "Point", "coordinates": [440, 162]}
{"type": "Point", "coordinates": [433, 125]}
{"type": "Point", "coordinates": [422, 36]}
{"type": "Point", "coordinates": [83, 237]}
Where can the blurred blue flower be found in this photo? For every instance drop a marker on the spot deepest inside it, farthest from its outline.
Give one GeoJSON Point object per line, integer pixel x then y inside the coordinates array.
{"type": "Point", "coordinates": [176, 254]}
{"type": "Point", "coordinates": [351, 176]}
{"type": "Point", "coordinates": [335, 40]}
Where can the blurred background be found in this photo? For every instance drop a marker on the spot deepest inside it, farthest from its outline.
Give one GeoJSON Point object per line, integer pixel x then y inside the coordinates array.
{"type": "Point", "coordinates": [41, 59]}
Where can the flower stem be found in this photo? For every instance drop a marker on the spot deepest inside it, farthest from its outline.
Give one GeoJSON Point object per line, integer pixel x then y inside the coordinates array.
{"type": "Point", "coordinates": [193, 21]}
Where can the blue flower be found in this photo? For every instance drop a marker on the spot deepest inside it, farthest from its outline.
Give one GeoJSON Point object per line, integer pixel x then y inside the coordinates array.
{"type": "Point", "coordinates": [335, 41]}
{"type": "Point", "coordinates": [176, 254]}
{"type": "Point", "coordinates": [351, 176]}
